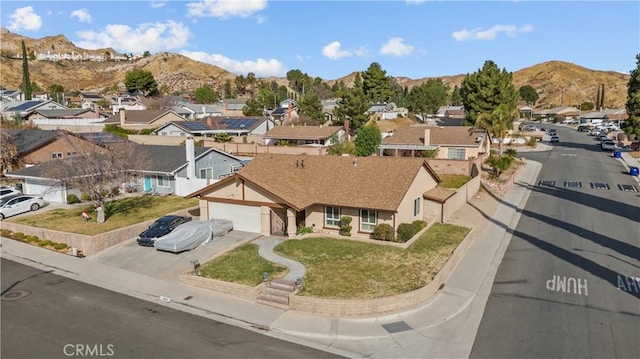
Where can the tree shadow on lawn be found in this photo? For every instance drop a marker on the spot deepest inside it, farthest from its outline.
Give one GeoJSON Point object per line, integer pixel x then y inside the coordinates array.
{"type": "Point", "coordinates": [127, 205]}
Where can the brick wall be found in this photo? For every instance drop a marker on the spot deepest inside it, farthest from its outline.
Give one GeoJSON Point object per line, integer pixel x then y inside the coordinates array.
{"type": "Point", "coordinates": [234, 289]}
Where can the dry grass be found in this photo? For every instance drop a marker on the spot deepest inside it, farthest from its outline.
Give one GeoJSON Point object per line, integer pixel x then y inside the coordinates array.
{"type": "Point", "coordinates": [345, 269]}
{"type": "Point", "coordinates": [453, 180]}
{"type": "Point", "coordinates": [123, 212]}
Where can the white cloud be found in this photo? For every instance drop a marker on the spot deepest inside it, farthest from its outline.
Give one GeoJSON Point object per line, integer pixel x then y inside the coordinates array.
{"type": "Point", "coordinates": [26, 19]}
{"type": "Point", "coordinates": [156, 4]}
{"type": "Point", "coordinates": [82, 15]}
{"type": "Point", "coordinates": [334, 51]}
{"type": "Point", "coordinates": [396, 47]}
{"type": "Point", "coordinates": [260, 67]}
{"type": "Point", "coordinates": [260, 19]}
{"type": "Point", "coordinates": [300, 58]}
{"type": "Point", "coordinates": [415, 2]}
{"type": "Point", "coordinates": [151, 37]}
{"type": "Point", "coordinates": [225, 8]}
{"type": "Point", "coordinates": [491, 33]}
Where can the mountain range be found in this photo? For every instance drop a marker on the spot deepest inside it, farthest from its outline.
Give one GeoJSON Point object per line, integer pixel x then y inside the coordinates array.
{"type": "Point", "coordinates": [557, 82]}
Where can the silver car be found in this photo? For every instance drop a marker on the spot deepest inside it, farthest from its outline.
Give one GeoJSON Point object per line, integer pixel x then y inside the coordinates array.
{"type": "Point", "coordinates": [193, 234]}
{"type": "Point", "coordinates": [21, 203]}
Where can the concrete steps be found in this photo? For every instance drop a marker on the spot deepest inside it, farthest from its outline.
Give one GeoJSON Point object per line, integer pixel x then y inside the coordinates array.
{"type": "Point", "coordinates": [276, 293]}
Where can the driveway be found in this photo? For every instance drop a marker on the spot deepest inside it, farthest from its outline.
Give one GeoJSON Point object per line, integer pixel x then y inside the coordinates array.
{"type": "Point", "coordinates": [130, 256]}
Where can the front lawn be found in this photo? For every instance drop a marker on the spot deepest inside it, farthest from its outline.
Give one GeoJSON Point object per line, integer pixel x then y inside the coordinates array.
{"type": "Point", "coordinates": [242, 265]}
{"type": "Point", "coordinates": [347, 269]}
{"type": "Point", "coordinates": [121, 213]}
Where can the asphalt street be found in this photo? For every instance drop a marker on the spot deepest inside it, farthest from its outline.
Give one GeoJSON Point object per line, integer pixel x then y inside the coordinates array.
{"type": "Point", "coordinates": [569, 283]}
{"type": "Point", "coordinates": [48, 316]}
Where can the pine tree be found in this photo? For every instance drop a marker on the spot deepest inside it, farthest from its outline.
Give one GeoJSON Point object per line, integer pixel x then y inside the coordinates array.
{"type": "Point", "coordinates": [486, 89]}
{"type": "Point", "coordinates": [632, 124]}
{"type": "Point", "coordinates": [598, 99]}
{"type": "Point", "coordinates": [602, 97]}
{"type": "Point", "coordinates": [26, 82]}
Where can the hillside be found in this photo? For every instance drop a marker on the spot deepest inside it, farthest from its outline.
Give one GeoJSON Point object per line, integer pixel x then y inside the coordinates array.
{"type": "Point", "coordinates": [180, 73]}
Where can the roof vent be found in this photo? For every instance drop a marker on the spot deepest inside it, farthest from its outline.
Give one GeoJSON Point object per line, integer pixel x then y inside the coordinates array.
{"type": "Point", "coordinates": [355, 163]}
{"type": "Point", "coordinates": [302, 164]}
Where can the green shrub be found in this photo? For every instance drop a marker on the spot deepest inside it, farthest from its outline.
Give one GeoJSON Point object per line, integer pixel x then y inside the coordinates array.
{"type": "Point", "coordinates": [345, 225]}
{"type": "Point", "coordinates": [384, 232]}
{"type": "Point", "coordinates": [85, 197]}
{"type": "Point", "coordinates": [45, 243]}
{"type": "Point", "coordinates": [532, 142]}
{"type": "Point", "coordinates": [19, 236]}
{"type": "Point", "coordinates": [406, 231]}
{"type": "Point", "coordinates": [304, 230]}
{"type": "Point", "coordinates": [60, 246]}
{"type": "Point", "coordinates": [420, 224]}
{"type": "Point", "coordinates": [511, 152]}
{"type": "Point", "coordinates": [5, 233]}
{"type": "Point", "coordinates": [72, 198]}
{"type": "Point", "coordinates": [31, 239]}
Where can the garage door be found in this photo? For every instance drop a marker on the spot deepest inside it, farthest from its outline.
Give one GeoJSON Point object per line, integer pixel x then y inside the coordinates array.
{"type": "Point", "coordinates": [244, 218]}
{"type": "Point", "coordinates": [51, 191]}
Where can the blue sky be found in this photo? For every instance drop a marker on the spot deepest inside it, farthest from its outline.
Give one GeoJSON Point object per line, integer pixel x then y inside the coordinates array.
{"type": "Point", "coordinates": [331, 39]}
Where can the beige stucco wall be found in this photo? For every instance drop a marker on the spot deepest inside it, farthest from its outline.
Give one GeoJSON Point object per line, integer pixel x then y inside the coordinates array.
{"type": "Point", "coordinates": [421, 184]}
{"type": "Point", "coordinates": [314, 217]}
{"type": "Point", "coordinates": [63, 144]}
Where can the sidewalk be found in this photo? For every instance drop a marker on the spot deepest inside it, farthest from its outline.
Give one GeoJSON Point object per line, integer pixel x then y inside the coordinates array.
{"type": "Point", "coordinates": [445, 326]}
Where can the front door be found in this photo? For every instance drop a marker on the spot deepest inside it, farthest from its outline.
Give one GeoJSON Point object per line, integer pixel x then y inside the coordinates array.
{"type": "Point", "coordinates": [147, 183]}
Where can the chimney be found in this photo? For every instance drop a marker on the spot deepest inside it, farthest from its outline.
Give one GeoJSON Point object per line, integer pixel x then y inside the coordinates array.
{"type": "Point", "coordinates": [209, 122]}
{"type": "Point", "coordinates": [204, 110]}
{"type": "Point", "coordinates": [96, 110]}
{"type": "Point", "coordinates": [427, 137]}
{"type": "Point", "coordinates": [191, 157]}
{"type": "Point", "coordinates": [347, 134]}
{"type": "Point", "coordinates": [355, 163]}
{"type": "Point", "coordinates": [289, 111]}
{"type": "Point", "coordinates": [123, 117]}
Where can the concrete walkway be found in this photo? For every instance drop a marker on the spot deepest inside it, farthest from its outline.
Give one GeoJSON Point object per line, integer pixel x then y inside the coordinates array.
{"type": "Point", "coordinates": [266, 246]}
{"type": "Point", "coordinates": [444, 326]}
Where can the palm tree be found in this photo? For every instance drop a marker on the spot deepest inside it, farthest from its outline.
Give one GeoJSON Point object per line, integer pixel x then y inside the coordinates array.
{"type": "Point", "coordinates": [497, 123]}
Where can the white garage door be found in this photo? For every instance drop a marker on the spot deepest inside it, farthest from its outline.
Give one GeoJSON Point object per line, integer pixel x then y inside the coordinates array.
{"type": "Point", "coordinates": [245, 218]}
{"type": "Point", "coordinates": [51, 191]}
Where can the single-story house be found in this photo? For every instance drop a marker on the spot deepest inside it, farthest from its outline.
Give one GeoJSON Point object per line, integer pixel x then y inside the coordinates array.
{"type": "Point", "coordinates": [304, 135]}
{"type": "Point", "coordinates": [450, 142]}
{"type": "Point", "coordinates": [560, 111]}
{"type": "Point", "coordinates": [129, 103]}
{"type": "Point", "coordinates": [37, 146]}
{"type": "Point", "coordinates": [234, 104]}
{"type": "Point", "coordinates": [234, 126]}
{"type": "Point", "coordinates": [23, 108]}
{"type": "Point", "coordinates": [275, 194]}
{"type": "Point", "coordinates": [448, 111]}
{"type": "Point", "coordinates": [78, 116]}
{"type": "Point", "coordinates": [166, 170]}
{"type": "Point", "coordinates": [143, 119]}
{"type": "Point", "coordinates": [198, 111]}
{"type": "Point", "coordinates": [12, 95]}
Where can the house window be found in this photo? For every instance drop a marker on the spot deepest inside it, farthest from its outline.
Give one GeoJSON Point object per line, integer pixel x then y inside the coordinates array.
{"type": "Point", "coordinates": [332, 217]}
{"type": "Point", "coordinates": [456, 153]}
{"type": "Point", "coordinates": [416, 207]}
{"type": "Point", "coordinates": [71, 154]}
{"type": "Point", "coordinates": [55, 155]}
{"type": "Point", "coordinates": [163, 133]}
{"type": "Point", "coordinates": [367, 220]}
{"type": "Point", "coordinates": [233, 168]}
{"type": "Point", "coordinates": [206, 173]}
{"type": "Point", "coordinates": [163, 181]}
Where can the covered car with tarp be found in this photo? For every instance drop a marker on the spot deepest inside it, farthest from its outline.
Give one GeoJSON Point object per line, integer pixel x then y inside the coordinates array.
{"type": "Point", "coordinates": [193, 234]}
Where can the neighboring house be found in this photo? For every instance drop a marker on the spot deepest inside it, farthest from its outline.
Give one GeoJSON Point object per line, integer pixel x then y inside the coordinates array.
{"type": "Point", "coordinates": [450, 142]}
{"type": "Point", "coordinates": [198, 111]}
{"type": "Point", "coordinates": [381, 107]}
{"type": "Point", "coordinates": [233, 126]}
{"type": "Point", "coordinates": [89, 100]}
{"type": "Point", "coordinates": [41, 96]}
{"type": "Point", "coordinates": [526, 112]}
{"type": "Point", "coordinates": [23, 108]}
{"type": "Point", "coordinates": [327, 108]}
{"type": "Point", "coordinates": [442, 111]}
{"type": "Point", "coordinates": [287, 112]}
{"type": "Point", "coordinates": [234, 105]}
{"type": "Point", "coordinates": [37, 146]}
{"type": "Point", "coordinates": [561, 111]}
{"type": "Point", "coordinates": [12, 95]}
{"type": "Point", "coordinates": [66, 114]}
{"type": "Point", "coordinates": [143, 119]}
{"type": "Point", "coordinates": [169, 170]}
{"type": "Point", "coordinates": [606, 115]}
{"type": "Point", "coordinates": [128, 103]}
{"type": "Point", "coordinates": [276, 194]}
{"type": "Point", "coordinates": [304, 135]}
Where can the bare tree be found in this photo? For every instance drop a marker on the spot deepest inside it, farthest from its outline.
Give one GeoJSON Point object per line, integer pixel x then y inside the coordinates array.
{"type": "Point", "coordinates": [8, 152]}
{"type": "Point", "coordinates": [96, 170]}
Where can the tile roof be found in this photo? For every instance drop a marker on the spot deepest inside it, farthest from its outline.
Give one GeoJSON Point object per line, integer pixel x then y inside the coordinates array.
{"type": "Point", "coordinates": [443, 136]}
{"type": "Point", "coordinates": [302, 132]}
{"type": "Point", "coordinates": [301, 181]}
{"type": "Point", "coordinates": [439, 194]}
{"type": "Point", "coordinates": [72, 112]}
{"type": "Point", "coordinates": [165, 158]}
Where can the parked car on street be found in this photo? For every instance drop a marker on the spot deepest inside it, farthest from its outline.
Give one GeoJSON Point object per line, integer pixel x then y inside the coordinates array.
{"type": "Point", "coordinates": [8, 191]}
{"type": "Point", "coordinates": [161, 227]}
{"type": "Point", "coordinates": [608, 145]}
{"type": "Point", "coordinates": [552, 132]}
{"type": "Point", "coordinates": [554, 139]}
{"type": "Point", "coordinates": [20, 203]}
{"type": "Point", "coordinates": [193, 234]}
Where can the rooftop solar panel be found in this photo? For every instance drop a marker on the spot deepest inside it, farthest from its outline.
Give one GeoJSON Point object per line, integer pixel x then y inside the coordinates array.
{"type": "Point", "coordinates": [26, 105]}
{"type": "Point", "coordinates": [196, 126]}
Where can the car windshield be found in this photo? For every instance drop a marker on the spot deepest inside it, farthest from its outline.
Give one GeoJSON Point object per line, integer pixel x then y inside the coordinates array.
{"type": "Point", "coordinates": [160, 224]}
